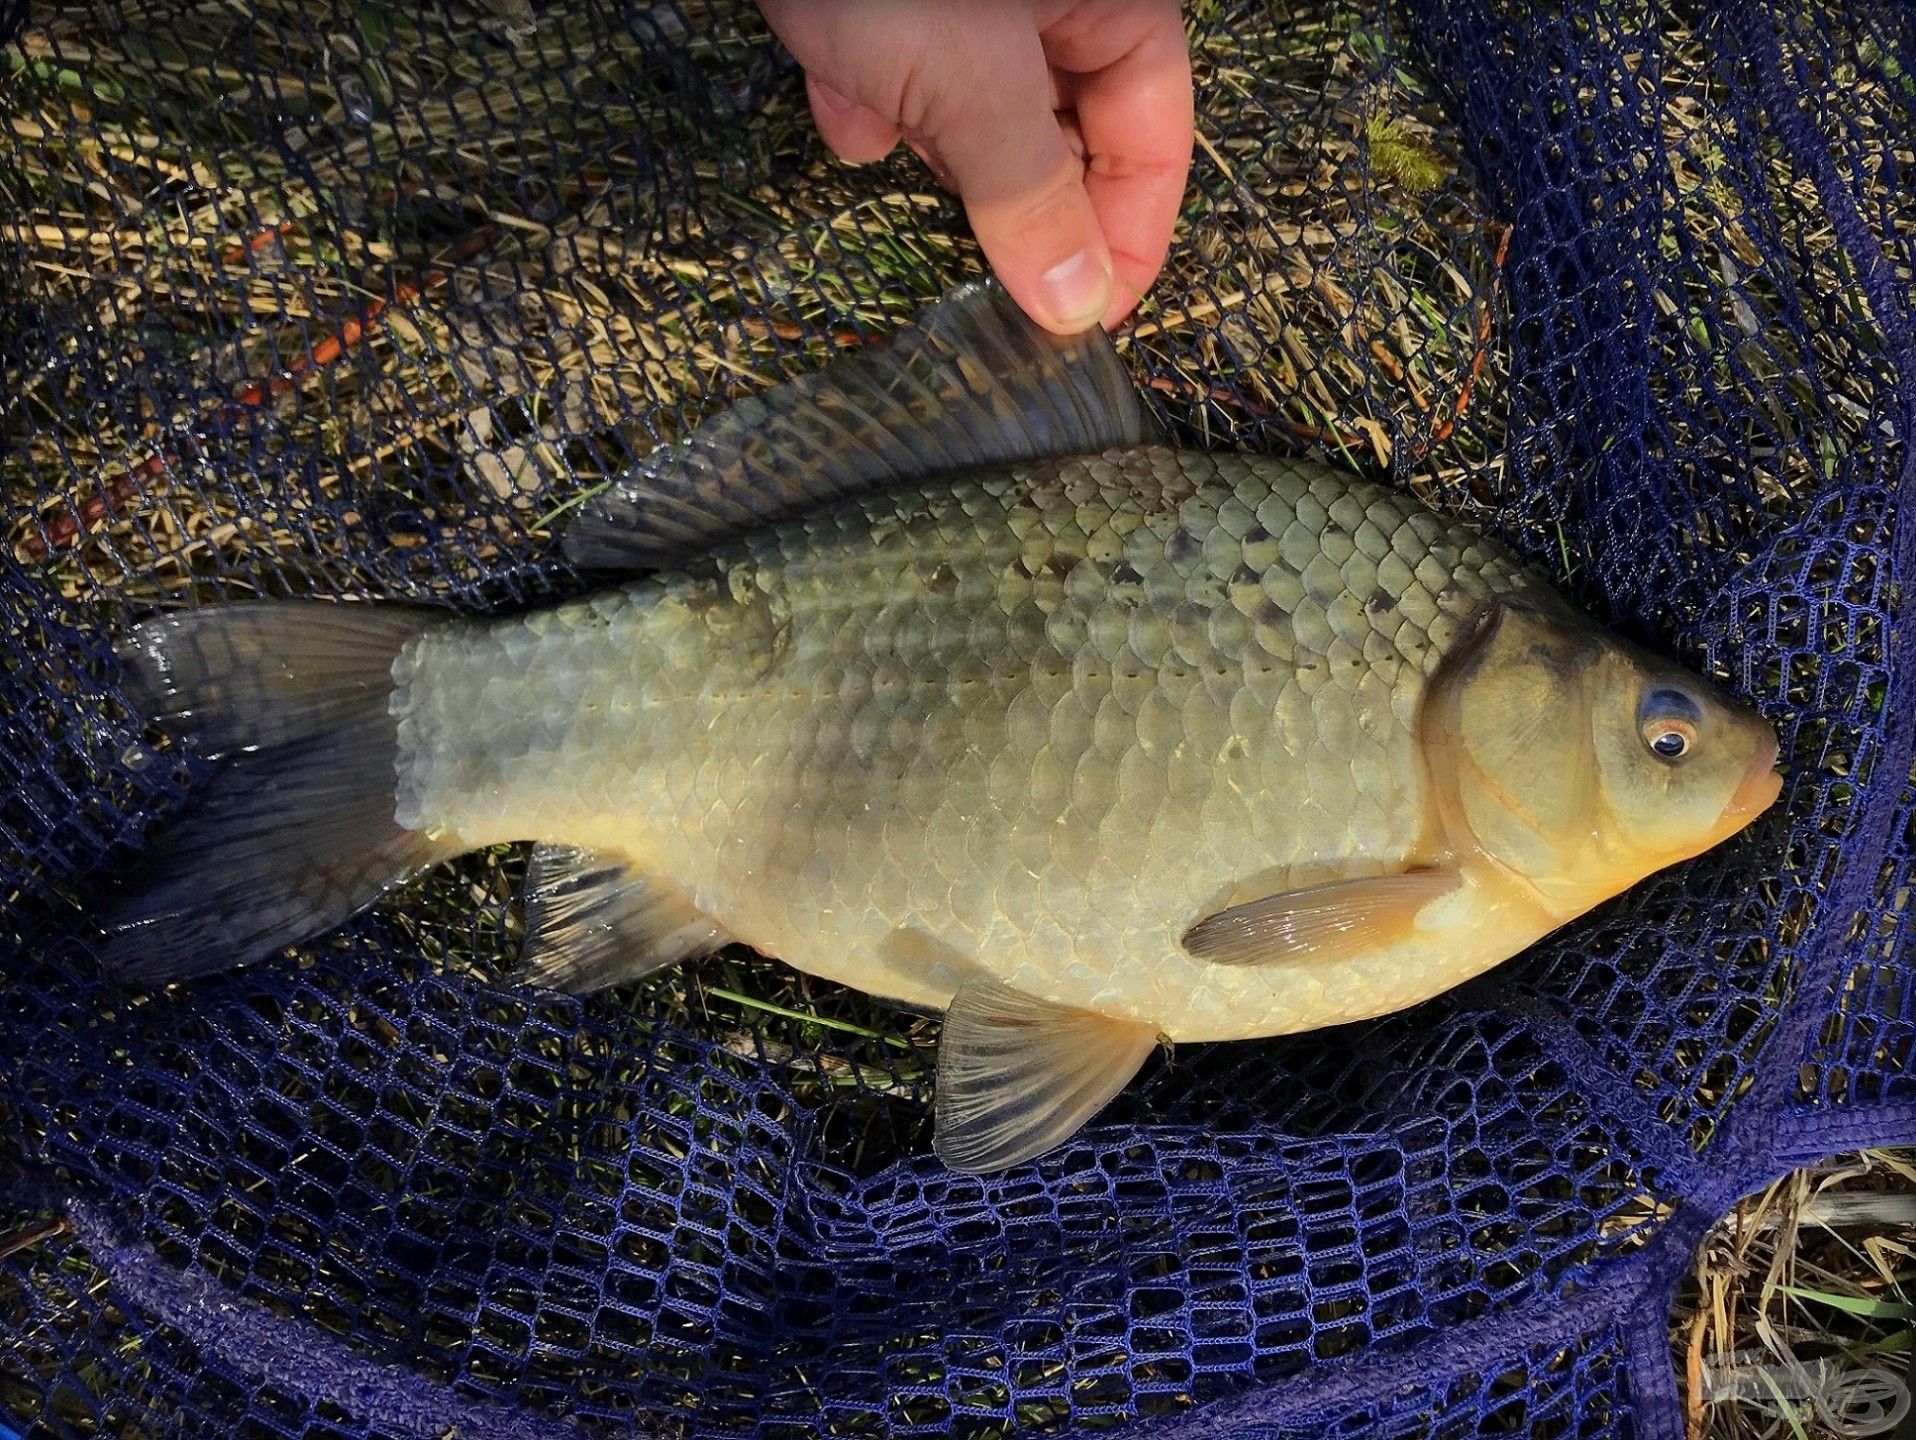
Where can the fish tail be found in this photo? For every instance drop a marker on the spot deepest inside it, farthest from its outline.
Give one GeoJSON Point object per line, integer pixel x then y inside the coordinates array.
{"type": "Point", "coordinates": [296, 831]}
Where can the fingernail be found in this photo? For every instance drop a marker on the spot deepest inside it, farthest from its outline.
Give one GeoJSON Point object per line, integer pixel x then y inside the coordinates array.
{"type": "Point", "coordinates": [1076, 291]}
{"type": "Point", "coordinates": [831, 99]}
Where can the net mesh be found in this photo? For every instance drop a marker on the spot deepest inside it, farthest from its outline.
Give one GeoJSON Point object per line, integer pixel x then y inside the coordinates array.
{"type": "Point", "coordinates": [351, 300]}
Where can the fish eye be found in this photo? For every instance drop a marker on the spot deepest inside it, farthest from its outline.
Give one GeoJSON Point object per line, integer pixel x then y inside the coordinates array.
{"type": "Point", "coordinates": [1672, 743]}
{"type": "Point", "coordinates": [1667, 719]}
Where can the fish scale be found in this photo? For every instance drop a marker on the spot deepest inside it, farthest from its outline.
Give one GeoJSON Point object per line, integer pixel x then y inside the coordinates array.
{"type": "Point", "coordinates": [1024, 720]}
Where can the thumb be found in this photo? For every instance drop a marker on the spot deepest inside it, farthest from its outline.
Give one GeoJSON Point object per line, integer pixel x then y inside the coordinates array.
{"type": "Point", "coordinates": [1023, 188]}
{"type": "Point", "coordinates": [855, 133]}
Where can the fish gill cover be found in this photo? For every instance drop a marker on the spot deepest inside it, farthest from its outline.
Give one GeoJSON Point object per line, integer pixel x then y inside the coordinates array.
{"type": "Point", "coordinates": [349, 300]}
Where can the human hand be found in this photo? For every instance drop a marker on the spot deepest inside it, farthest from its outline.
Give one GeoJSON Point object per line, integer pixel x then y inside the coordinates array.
{"type": "Point", "coordinates": [1064, 125]}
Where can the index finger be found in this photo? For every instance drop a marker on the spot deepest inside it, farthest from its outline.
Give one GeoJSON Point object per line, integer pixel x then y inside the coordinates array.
{"type": "Point", "coordinates": [1132, 88]}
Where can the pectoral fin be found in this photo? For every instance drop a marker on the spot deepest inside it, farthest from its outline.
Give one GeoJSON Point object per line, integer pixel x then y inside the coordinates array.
{"type": "Point", "coordinates": [1339, 921]}
{"type": "Point", "coordinates": [591, 922]}
{"type": "Point", "coordinates": [1018, 1076]}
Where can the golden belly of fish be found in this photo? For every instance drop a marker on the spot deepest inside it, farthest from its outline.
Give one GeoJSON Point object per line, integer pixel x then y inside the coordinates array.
{"type": "Point", "coordinates": [1035, 721]}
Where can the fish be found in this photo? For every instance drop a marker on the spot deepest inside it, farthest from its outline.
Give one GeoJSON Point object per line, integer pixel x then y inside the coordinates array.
{"type": "Point", "coordinates": [939, 672]}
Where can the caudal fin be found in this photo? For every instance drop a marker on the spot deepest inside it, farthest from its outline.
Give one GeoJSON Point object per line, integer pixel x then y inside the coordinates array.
{"type": "Point", "coordinates": [295, 831]}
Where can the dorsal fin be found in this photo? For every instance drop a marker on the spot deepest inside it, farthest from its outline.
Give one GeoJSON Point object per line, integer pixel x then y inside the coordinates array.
{"type": "Point", "coordinates": [971, 383]}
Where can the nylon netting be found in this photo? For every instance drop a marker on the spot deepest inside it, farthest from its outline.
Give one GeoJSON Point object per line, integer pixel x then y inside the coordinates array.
{"type": "Point", "coordinates": [349, 300]}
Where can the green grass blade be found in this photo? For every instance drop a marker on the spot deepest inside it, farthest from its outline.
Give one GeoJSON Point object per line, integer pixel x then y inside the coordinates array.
{"type": "Point", "coordinates": [577, 500]}
{"type": "Point", "coordinates": [1854, 1305]}
{"type": "Point", "coordinates": [1783, 1404]}
{"type": "Point", "coordinates": [752, 1003]}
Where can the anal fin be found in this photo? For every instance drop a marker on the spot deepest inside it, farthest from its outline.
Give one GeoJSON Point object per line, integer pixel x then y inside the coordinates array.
{"type": "Point", "coordinates": [1333, 922]}
{"type": "Point", "coordinates": [592, 922]}
{"type": "Point", "coordinates": [1018, 1076]}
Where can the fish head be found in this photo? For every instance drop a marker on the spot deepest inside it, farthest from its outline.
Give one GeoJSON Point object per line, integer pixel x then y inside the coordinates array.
{"type": "Point", "coordinates": [1581, 762]}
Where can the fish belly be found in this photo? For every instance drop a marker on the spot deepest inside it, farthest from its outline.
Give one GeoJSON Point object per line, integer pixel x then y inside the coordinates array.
{"type": "Point", "coordinates": [1035, 721]}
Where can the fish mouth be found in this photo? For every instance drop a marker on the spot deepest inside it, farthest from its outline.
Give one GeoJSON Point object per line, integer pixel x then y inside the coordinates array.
{"type": "Point", "coordinates": [1757, 792]}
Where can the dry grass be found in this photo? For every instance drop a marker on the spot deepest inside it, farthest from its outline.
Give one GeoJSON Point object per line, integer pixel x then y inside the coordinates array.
{"type": "Point", "coordinates": [1815, 1279]}
{"type": "Point", "coordinates": [369, 336]}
